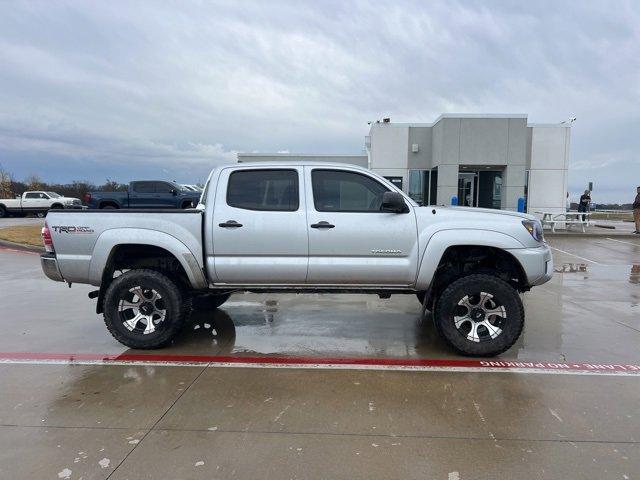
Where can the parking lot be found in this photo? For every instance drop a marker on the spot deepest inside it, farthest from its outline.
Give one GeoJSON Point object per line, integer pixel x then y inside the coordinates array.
{"type": "Point", "coordinates": [326, 386]}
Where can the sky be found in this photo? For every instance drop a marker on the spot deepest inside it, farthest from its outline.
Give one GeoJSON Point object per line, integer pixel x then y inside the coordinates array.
{"type": "Point", "coordinates": [91, 90]}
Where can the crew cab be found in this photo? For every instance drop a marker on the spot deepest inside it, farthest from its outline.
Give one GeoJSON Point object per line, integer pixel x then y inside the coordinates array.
{"type": "Point", "coordinates": [302, 227]}
{"type": "Point", "coordinates": [36, 202]}
{"type": "Point", "coordinates": [145, 194]}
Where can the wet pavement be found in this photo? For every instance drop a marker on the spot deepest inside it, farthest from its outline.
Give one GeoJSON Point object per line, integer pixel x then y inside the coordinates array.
{"type": "Point", "coordinates": [203, 421]}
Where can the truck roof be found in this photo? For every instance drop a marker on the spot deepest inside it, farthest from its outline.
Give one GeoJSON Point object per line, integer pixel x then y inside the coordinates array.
{"type": "Point", "coordinates": [295, 163]}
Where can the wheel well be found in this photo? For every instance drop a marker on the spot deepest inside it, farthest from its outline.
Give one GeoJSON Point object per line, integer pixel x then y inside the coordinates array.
{"type": "Point", "coordinates": [56, 205]}
{"type": "Point", "coordinates": [108, 204]}
{"type": "Point", "coordinates": [134, 256]}
{"type": "Point", "coordinates": [187, 204]}
{"type": "Point", "coordinates": [462, 260]}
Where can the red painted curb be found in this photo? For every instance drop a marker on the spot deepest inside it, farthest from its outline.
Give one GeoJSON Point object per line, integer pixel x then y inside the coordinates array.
{"type": "Point", "coordinates": [293, 360]}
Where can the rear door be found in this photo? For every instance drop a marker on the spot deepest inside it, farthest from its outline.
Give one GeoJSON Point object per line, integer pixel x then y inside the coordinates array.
{"type": "Point", "coordinates": [260, 226]}
{"type": "Point", "coordinates": [142, 195]}
{"type": "Point", "coordinates": [351, 241]}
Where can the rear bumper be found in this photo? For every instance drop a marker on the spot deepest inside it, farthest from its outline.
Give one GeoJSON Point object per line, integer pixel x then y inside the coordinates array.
{"type": "Point", "coordinates": [49, 265]}
{"type": "Point", "coordinates": [536, 262]}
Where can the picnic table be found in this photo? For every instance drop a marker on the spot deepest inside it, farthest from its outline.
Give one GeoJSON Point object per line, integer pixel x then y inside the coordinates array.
{"type": "Point", "coordinates": [570, 219]}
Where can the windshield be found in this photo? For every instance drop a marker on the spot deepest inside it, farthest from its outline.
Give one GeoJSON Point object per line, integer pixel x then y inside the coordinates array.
{"type": "Point", "coordinates": [53, 194]}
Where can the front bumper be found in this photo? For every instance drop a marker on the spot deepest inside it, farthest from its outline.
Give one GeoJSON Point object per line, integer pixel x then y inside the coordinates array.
{"type": "Point", "coordinates": [49, 265]}
{"type": "Point", "coordinates": [537, 263]}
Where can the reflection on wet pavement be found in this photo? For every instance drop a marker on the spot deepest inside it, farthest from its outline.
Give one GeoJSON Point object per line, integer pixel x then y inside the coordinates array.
{"type": "Point", "coordinates": [570, 268]}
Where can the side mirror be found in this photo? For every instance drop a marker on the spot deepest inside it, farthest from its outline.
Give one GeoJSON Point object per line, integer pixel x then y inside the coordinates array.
{"type": "Point", "coordinates": [174, 192]}
{"type": "Point", "coordinates": [393, 202]}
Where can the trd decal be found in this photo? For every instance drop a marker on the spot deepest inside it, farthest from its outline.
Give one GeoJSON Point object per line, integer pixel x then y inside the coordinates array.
{"type": "Point", "coordinates": [71, 229]}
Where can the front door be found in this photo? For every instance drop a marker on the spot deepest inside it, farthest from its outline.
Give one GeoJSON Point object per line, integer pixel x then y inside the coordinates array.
{"type": "Point", "coordinates": [35, 202]}
{"type": "Point", "coordinates": [351, 241]}
{"type": "Point", "coordinates": [260, 226]}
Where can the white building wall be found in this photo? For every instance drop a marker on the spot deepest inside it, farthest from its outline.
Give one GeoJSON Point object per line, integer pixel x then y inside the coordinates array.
{"type": "Point", "coordinates": [390, 147]}
{"type": "Point", "coordinates": [548, 169]}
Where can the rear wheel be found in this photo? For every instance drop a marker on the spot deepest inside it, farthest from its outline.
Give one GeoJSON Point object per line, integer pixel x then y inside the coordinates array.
{"type": "Point", "coordinates": [144, 309]}
{"type": "Point", "coordinates": [479, 315]}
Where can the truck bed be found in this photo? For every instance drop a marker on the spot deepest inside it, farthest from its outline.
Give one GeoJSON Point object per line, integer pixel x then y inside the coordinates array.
{"type": "Point", "coordinates": [76, 233]}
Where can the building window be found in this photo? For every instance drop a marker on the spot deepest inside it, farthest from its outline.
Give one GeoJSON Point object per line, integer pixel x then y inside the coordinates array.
{"type": "Point", "coordinates": [419, 186]}
{"type": "Point", "coordinates": [396, 181]}
{"type": "Point", "coordinates": [433, 187]}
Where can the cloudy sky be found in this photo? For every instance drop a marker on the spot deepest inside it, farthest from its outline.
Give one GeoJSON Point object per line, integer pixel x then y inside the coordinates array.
{"type": "Point", "coordinates": [95, 89]}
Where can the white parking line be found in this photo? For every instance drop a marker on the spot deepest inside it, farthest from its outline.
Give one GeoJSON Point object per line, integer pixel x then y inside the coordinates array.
{"type": "Point", "coordinates": [574, 255]}
{"type": "Point", "coordinates": [483, 366]}
{"type": "Point", "coordinates": [622, 241]}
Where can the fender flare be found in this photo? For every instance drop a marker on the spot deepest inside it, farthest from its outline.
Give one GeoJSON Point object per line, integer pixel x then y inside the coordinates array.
{"type": "Point", "coordinates": [443, 239]}
{"type": "Point", "coordinates": [110, 239]}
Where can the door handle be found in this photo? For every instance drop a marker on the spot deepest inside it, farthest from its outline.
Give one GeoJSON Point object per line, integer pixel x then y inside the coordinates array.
{"type": "Point", "coordinates": [322, 224]}
{"type": "Point", "coordinates": [230, 224]}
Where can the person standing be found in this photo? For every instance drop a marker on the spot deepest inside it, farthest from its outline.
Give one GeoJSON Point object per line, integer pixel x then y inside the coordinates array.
{"type": "Point", "coordinates": [585, 201]}
{"type": "Point", "coordinates": [636, 211]}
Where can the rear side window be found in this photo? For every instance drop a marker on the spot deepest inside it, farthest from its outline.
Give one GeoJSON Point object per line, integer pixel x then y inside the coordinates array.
{"type": "Point", "coordinates": [144, 187]}
{"type": "Point", "coordinates": [273, 190]}
{"type": "Point", "coordinates": [32, 195]}
{"type": "Point", "coordinates": [343, 191]}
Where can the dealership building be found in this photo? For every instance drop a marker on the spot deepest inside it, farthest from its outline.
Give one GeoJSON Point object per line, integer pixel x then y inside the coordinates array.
{"type": "Point", "coordinates": [490, 161]}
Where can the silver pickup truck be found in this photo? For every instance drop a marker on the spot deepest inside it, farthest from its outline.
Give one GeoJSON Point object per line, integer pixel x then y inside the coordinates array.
{"type": "Point", "coordinates": [302, 227]}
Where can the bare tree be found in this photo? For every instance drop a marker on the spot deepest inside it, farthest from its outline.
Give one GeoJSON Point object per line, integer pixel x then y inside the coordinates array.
{"type": "Point", "coordinates": [6, 184]}
{"type": "Point", "coordinates": [34, 182]}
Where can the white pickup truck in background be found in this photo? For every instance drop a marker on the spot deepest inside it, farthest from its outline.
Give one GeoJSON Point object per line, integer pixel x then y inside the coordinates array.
{"type": "Point", "coordinates": [302, 227]}
{"type": "Point", "coordinates": [36, 202]}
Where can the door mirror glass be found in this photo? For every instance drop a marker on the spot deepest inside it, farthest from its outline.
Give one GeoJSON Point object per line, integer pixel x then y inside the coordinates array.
{"type": "Point", "coordinates": [393, 202]}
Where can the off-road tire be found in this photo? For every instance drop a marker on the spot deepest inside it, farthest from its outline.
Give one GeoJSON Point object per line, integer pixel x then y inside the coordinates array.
{"type": "Point", "coordinates": [504, 293]}
{"type": "Point", "coordinates": [175, 301]}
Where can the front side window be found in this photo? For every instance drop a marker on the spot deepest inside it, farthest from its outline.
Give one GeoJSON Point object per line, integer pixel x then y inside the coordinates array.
{"type": "Point", "coordinates": [343, 191]}
{"type": "Point", "coordinates": [162, 187]}
{"type": "Point", "coordinates": [271, 190]}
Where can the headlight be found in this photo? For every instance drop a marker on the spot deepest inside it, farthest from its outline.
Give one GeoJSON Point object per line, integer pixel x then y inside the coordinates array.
{"type": "Point", "coordinates": [534, 227]}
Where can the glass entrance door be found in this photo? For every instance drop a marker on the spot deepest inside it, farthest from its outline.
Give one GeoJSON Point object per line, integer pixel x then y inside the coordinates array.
{"type": "Point", "coordinates": [480, 189]}
{"type": "Point", "coordinates": [467, 183]}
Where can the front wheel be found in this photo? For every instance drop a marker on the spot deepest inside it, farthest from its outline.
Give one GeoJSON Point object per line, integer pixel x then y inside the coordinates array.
{"type": "Point", "coordinates": [144, 309]}
{"type": "Point", "coordinates": [3, 211]}
{"type": "Point", "coordinates": [479, 315]}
